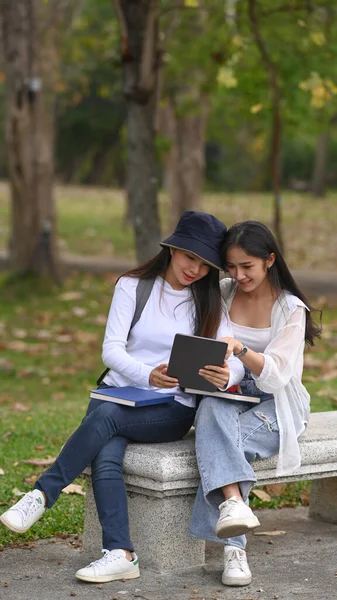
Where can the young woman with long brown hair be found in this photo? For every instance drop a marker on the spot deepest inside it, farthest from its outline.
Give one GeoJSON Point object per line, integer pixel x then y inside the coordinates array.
{"type": "Point", "coordinates": [185, 298]}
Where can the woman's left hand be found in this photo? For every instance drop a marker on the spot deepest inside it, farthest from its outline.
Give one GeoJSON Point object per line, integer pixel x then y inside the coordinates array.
{"type": "Point", "coordinates": [234, 346]}
{"type": "Point", "coordinates": [219, 376]}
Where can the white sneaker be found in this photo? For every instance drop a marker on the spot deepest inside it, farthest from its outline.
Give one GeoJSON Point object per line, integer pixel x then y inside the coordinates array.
{"type": "Point", "coordinates": [236, 518]}
{"type": "Point", "coordinates": [236, 569]}
{"type": "Point", "coordinates": [25, 513]}
{"type": "Point", "coordinates": [113, 565]}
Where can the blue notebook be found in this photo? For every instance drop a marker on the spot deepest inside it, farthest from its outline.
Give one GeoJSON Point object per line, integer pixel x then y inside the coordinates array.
{"type": "Point", "coordinates": [131, 396]}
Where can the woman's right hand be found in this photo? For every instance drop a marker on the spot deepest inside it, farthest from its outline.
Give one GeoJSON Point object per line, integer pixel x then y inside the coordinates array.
{"type": "Point", "coordinates": [159, 378]}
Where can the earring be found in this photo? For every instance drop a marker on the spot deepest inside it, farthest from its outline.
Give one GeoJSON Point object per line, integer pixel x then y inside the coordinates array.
{"type": "Point", "coordinates": [268, 269]}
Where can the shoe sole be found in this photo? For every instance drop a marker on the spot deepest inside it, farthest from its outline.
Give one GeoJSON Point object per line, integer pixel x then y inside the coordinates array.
{"type": "Point", "coordinates": [11, 527]}
{"type": "Point", "coordinates": [235, 527]}
{"type": "Point", "coordinates": [236, 581]}
{"type": "Point", "coordinates": [107, 578]}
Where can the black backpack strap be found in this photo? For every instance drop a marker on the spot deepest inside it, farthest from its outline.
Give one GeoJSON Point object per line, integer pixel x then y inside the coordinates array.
{"type": "Point", "coordinates": [143, 292]}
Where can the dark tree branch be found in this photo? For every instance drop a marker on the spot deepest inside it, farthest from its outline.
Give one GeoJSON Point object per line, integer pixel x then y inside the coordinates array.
{"type": "Point", "coordinates": [276, 115]}
{"type": "Point", "coordinates": [126, 52]}
{"type": "Point", "coordinates": [147, 70]}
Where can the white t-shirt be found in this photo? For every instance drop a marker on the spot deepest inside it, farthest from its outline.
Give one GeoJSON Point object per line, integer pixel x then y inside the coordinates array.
{"type": "Point", "coordinates": [167, 312]}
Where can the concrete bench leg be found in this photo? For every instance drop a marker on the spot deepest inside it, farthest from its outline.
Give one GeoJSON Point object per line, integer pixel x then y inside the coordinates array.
{"type": "Point", "coordinates": [323, 500]}
{"type": "Point", "coordinates": [159, 523]}
{"type": "Point", "coordinates": [159, 527]}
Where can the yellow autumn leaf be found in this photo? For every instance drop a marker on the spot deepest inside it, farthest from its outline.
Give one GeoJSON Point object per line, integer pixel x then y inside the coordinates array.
{"type": "Point", "coordinates": [331, 86]}
{"type": "Point", "coordinates": [256, 108]}
{"type": "Point", "coordinates": [226, 78]}
{"type": "Point", "coordinates": [104, 91]}
{"type": "Point", "coordinates": [237, 41]}
{"type": "Point", "coordinates": [320, 91]}
{"type": "Point", "coordinates": [318, 38]}
{"type": "Point", "coordinates": [258, 145]}
{"type": "Point", "coordinates": [317, 103]}
{"type": "Point", "coordinates": [303, 85]}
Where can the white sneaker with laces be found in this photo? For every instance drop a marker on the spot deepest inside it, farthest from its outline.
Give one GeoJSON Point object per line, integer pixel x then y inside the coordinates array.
{"type": "Point", "coordinates": [236, 569]}
{"type": "Point", "coordinates": [25, 513]}
{"type": "Point", "coordinates": [113, 565]}
{"type": "Point", "coordinates": [236, 518]}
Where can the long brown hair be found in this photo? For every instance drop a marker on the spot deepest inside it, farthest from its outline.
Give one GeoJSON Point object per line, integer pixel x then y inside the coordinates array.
{"type": "Point", "coordinates": [205, 291]}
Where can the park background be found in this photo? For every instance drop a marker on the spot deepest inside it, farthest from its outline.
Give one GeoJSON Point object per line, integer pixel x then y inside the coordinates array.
{"type": "Point", "coordinates": [114, 118]}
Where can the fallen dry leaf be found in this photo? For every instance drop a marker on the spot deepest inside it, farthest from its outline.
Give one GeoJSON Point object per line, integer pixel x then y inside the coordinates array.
{"type": "Point", "coordinates": [30, 480]}
{"type": "Point", "coordinates": [261, 495]}
{"type": "Point", "coordinates": [64, 338]}
{"type": "Point", "coordinates": [44, 334]}
{"type": "Point", "coordinates": [74, 488]}
{"type": "Point", "coordinates": [329, 375]}
{"type": "Point", "coordinates": [40, 462]}
{"type": "Point", "coordinates": [17, 346]}
{"type": "Point", "coordinates": [79, 311]}
{"type": "Point", "coordinates": [310, 378]}
{"type": "Point", "coordinates": [17, 492]}
{"type": "Point", "coordinates": [18, 407]}
{"type": "Point", "coordinates": [87, 337]}
{"type": "Point", "coordinates": [99, 320]}
{"type": "Point", "coordinates": [268, 533]}
{"type": "Point", "coordinates": [69, 296]}
{"type": "Point", "coordinates": [6, 365]}
{"type": "Point", "coordinates": [310, 362]}
{"type": "Point", "coordinates": [19, 333]}
{"type": "Point", "coordinates": [58, 396]}
{"type": "Point", "coordinates": [305, 497]}
{"type": "Point", "coordinates": [275, 489]}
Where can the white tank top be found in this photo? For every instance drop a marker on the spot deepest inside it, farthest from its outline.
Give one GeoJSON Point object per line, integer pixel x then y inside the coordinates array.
{"type": "Point", "coordinates": [255, 339]}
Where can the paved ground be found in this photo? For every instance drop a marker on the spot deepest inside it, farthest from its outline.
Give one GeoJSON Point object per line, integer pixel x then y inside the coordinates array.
{"type": "Point", "coordinates": [299, 565]}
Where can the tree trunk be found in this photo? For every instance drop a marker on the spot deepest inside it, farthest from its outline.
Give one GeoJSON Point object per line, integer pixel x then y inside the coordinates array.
{"type": "Point", "coordinates": [30, 141]}
{"type": "Point", "coordinates": [275, 89]}
{"type": "Point", "coordinates": [185, 161]}
{"type": "Point", "coordinates": [139, 26]}
{"type": "Point", "coordinates": [318, 184]}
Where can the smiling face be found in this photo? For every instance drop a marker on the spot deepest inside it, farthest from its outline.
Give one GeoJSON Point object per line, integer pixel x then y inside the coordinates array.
{"type": "Point", "coordinates": [250, 272]}
{"type": "Point", "coordinates": [185, 268]}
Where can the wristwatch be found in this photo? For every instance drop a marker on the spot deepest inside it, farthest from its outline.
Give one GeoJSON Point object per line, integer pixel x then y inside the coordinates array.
{"type": "Point", "coordinates": [242, 352]}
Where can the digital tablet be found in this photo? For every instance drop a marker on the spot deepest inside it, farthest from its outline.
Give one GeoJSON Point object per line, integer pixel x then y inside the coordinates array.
{"type": "Point", "coordinates": [189, 354]}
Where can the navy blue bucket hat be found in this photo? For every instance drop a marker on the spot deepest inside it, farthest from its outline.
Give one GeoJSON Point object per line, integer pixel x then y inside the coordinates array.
{"type": "Point", "coordinates": [199, 233]}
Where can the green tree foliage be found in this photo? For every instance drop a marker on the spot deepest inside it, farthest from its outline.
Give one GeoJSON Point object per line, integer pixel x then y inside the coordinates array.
{"type": "Point", "coordinates": [91, 107]}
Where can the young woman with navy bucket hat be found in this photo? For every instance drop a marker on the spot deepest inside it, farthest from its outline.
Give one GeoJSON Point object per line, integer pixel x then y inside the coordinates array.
{"type": "Point", "coordinates": [271, 322]}
{"type": "Point", "coordinates": [184, 298]}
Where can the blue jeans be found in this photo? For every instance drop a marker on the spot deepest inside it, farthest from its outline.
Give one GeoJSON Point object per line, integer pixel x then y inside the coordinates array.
{"type": "Point", "coordinates": [229, 436]}
{"type": "Point", "coordinates": [101, 439]}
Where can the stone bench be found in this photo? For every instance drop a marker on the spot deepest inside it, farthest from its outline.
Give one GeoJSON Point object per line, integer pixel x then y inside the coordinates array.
{"type": "Point", "coordinates": [162, 481]}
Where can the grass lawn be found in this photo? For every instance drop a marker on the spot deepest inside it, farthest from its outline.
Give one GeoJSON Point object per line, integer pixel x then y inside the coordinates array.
{"type": "Point", "coordinates": [51, 342]}
{"type": "Point", "coordinates": [91, 221]}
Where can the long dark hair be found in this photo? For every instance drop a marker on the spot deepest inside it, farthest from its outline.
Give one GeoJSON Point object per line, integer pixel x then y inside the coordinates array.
{"type": "Point", "coordinates": [205, 291]}
{"type": "Point", "coordinates": [257, 240]}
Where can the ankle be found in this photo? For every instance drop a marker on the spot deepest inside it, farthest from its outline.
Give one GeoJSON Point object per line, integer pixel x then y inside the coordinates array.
{"type": "Point", "coordinates": [228, 548]}
{"type": "Point", "coordinates": [128, 554]}
{"type": "Point", "coordinates": [44, 496]}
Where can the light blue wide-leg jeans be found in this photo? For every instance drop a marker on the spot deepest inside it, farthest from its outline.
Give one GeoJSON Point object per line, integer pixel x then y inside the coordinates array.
{"type": "Point", "coordinates": [229, 436]}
